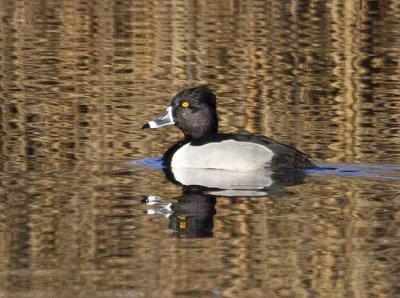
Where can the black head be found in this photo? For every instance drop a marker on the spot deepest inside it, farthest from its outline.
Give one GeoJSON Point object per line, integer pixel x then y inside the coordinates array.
{"type": "Point", "coordinates": [193, 110]}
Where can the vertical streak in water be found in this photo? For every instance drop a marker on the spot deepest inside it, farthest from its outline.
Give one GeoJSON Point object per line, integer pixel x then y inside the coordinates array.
{"type": "Point", "coordinates": [13, 160]}
{"type": "Point", "coordinates": [191, 35]}
{"type": "Point", "coordinates": [253, 96]}
{"type": "Point", "coordinates": [343, 16]}
{"type": "Point", "coordinates": [179, 41]}
{"type": "Point", "coordinates": [12, 102]}
{"type": "Point", "coordinates": [349, 88]}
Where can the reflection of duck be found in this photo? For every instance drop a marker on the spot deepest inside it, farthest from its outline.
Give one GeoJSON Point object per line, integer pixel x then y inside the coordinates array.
{"type": "Point", "coordinates": [233, 183]}
{"type": "Point", "coordinates": [193, 110]}
{"type": "Point", "coordinates": [192, 216]}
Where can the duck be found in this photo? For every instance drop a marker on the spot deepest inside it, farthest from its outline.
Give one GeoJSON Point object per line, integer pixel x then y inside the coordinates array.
{"type": "Point", "coordinates": [194, 111]}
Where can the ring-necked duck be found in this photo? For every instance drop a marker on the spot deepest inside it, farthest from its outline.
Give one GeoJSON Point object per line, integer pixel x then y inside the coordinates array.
{"type": "Point", "coordinates": [193, 110]}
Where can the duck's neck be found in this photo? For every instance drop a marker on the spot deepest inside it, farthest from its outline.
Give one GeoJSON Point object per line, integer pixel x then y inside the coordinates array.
{"type": "Point", "coordinates": [200, 123]}
{"type": "Point", "coordinates": [201, 131]}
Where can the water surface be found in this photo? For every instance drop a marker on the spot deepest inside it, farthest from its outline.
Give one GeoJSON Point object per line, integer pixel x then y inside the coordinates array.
{"type": "Point", "coordinates": [85, 208]}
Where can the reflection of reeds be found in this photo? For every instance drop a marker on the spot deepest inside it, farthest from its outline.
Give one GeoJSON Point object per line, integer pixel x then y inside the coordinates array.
{"type": "Point", "coordinates": [79, 78]}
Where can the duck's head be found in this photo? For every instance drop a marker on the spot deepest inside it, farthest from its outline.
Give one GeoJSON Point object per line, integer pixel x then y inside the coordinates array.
{"type": "Point", "coordinates": [193, 111]}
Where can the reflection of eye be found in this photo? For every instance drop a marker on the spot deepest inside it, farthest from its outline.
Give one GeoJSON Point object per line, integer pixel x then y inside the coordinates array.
{"type": "Point", "coordinates": [185, 104]}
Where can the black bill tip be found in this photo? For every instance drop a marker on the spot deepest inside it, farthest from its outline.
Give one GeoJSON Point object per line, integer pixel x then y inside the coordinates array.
{"type": "Point", "coordinates": [146, 126]}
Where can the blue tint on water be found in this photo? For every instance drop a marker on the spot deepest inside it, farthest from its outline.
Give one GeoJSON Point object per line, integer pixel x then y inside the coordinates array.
{"type": "Point", "coordinates": [384, 171]}
{"type": "Point", "coordinates": [151, 162]}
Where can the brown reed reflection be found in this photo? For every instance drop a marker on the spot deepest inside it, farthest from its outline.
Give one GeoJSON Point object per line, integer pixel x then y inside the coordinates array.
{"type": "Point", "coordinates": [77, 80]}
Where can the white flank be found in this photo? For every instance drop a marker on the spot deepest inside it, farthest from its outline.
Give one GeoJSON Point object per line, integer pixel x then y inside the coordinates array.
{"type": "Point", "coordinates": [227, 155]}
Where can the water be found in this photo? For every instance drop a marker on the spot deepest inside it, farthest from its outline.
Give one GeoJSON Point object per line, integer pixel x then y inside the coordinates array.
{"type": "Point", "coordinates": [87, 210]}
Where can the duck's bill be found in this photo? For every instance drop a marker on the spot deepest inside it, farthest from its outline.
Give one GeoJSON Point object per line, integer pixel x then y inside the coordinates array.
{"type": "Point", "coordinates": [164, 120]}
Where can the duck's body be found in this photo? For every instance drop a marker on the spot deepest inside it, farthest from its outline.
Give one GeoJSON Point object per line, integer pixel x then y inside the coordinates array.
{"type": "Point", "coordinates": [193, 110]}
{"type": "Point", "coordinates": [241, 152]}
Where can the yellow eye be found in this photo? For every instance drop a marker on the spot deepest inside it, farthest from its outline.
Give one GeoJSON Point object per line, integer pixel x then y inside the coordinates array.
{"type": "Point", "coordinates": [185, 104]}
